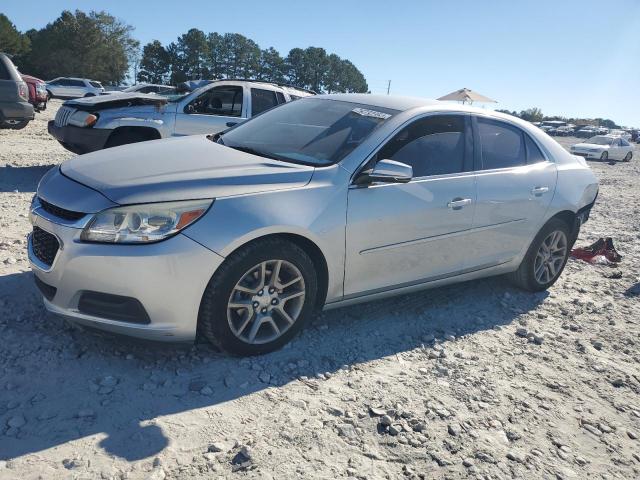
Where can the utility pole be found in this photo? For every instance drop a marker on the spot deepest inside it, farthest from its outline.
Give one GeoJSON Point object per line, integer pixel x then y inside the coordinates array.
{"type": "Point", "coordinates": [388, 87]}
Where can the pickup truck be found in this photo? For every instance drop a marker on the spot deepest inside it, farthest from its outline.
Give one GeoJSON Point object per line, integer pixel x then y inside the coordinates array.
{"type": "Point", "coordinates": [15, 110]}
{"type": "Point", "coordinates": [90, 124]}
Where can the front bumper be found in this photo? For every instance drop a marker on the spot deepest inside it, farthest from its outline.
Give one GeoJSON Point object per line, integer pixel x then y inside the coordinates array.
{"type": "Point", "coordinates": [78, 139]}
{"type": "Point", "coordinates": [592, 155]}
{"type": "Point", "coordinates": [167, 278]}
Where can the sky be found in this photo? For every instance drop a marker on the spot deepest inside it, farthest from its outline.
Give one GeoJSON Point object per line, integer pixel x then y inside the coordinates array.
{"type": "Point", "coordinates": [577, 58]}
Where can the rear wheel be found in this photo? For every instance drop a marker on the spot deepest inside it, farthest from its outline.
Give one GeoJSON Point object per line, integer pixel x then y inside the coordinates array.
{"type": "Point", "coordinates": [259, 299]}
{"type": "Point", "coordinates": [605, 156]}
{"type": "Point", "coordinates": [15, 124]}
{"type": "Point", "coordinates": [628, 156]}
{"type": "Point", "coordinates": [546, 257]}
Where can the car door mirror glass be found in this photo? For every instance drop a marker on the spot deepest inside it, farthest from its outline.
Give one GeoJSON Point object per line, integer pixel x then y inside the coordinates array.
{"type": "Point", "coordinates": [386, 171]}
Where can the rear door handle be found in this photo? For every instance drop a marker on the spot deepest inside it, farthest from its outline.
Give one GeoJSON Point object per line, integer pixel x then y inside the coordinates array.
{"type": "Point", "coordinates": [537, 191]}
{"type": "Point", "coordinates": [457, 203]}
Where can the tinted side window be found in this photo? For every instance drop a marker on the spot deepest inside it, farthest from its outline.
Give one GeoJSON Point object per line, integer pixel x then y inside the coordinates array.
{"type": "Point", "coordinates": [624, 143]}
{"type": "Point", "coordinates": [76, 83]}
{"type": "Point", "coordinates": [281, 98]}
{"type": "Point", "coordinates": [226, 101]}
{"type": "Point", "coordinates": [502, 145]}
{"type": "Point", "coordinates": [534, 155]}
{"type": "Point", "coordinates": [432, 146]}
{"type": "Point", "coordinates": [262, 100]}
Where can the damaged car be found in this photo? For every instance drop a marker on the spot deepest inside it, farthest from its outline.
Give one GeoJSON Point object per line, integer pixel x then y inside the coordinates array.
{"type": "Point", "coordinates": [319, 203]}
{"type": "Point", "coordinates": [105, 121]}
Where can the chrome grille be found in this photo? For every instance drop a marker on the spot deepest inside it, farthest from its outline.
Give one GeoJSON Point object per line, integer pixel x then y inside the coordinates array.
{"type": "Point", "coordinates": [62, 117]}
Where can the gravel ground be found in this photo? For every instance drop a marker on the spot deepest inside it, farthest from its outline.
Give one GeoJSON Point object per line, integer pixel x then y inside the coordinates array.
{"type": "Point", "coordinates": [477, 380]}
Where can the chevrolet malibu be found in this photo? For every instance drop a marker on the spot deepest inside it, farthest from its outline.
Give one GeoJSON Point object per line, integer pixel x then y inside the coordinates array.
{"type": "Point", "coordinates": [318, 203]}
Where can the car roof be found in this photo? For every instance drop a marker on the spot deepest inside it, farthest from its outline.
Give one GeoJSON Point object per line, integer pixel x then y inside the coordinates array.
{"type": "Point", "coordinates": [395, 102]}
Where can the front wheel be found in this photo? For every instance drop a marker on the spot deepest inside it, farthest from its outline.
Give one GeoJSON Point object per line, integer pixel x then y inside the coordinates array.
{"type": "Point", "coordinates": [545, 259]}
{"type": "Point", "coordinates": [260, 298]}
{"type": "Point", "coordinates": [605, 156]}
{"type": "Point", "coordinates": [627, 157]}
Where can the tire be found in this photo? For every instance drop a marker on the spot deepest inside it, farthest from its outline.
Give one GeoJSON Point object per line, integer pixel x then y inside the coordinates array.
{"type": "Point", "coordinates": [125, 138]}
{"type": "Point", "coordinates": [605, 156]}
{"type": "Point", "coordinates": [15, 126]}
{"type": "Point", "coordinates": [217, 315]}
{"type": "Point", "coordinates": [49, 95]}
{"type": "Point", "coordinates": [525, 276]}
{"type": "Point", "coordinates": [628, 157]}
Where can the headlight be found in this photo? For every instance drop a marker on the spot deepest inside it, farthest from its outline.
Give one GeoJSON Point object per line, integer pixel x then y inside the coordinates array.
{"type": "Point", "coordinates": [83, 119]}
{"type": "Point", "coordinates": [146, 223]}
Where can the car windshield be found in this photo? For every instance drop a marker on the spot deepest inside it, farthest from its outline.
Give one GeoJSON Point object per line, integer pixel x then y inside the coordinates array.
{"type": "Point", "coordinates": [308, 131]}
{"type": "Point", "coordinates": [598, 140]}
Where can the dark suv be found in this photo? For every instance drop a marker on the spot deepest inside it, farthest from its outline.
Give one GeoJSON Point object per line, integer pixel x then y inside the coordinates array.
{"type": "Point", "coordinates": [15, 109]}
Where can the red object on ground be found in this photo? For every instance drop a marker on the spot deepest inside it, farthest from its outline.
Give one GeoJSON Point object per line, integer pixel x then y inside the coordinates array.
{"type": "Point", "coordinates": [601, 251]}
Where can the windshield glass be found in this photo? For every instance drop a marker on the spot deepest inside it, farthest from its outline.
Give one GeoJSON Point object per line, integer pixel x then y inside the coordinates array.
{"type": "Point", "coordinates": [308, 131]}
{"type": "Point", "coordinates": [600, 140]}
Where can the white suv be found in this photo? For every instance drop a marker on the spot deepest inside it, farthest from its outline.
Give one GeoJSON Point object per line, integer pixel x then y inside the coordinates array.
{"type": "Point", "coordinates": [66, 87]}
{"type": "Point", "coordinates": [90, 124]}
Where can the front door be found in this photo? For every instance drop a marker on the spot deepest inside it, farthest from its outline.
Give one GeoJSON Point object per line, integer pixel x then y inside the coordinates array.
{"type": "Point", "coordinates": [515, 185]}
{"type": "Point", "coordinates": [404, 234]}
{"type": "Point", "coordinates": [213, 111]}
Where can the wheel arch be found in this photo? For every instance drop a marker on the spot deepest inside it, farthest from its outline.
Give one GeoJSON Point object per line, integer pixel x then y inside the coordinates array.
{"type": "Point", "coordinates": [310, 247]}
{"type": "Point", "coordinates": [150, 132]}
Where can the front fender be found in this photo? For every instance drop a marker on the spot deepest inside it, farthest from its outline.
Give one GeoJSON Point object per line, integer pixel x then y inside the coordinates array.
{"type": "Point", "coordinates": [316, 212]}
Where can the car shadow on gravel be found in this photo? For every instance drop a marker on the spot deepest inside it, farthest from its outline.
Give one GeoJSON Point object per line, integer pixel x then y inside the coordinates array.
{"type": "Point", "coordinates": [59, 384]}
{"type": "Point", "coordinates": [22, 179]}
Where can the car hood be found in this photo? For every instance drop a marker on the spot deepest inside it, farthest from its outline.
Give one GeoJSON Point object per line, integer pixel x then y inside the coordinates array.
{"type": "Point", "coordinates": [100, 102]}
{"type": "Point", "coordinates": [590, 146]}
{"type": "Point", "coordinates": [184, 168]}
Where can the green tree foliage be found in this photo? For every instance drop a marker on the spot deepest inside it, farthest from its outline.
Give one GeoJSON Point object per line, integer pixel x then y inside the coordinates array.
{"type": "Point", "coordinates": [532, 115]}
{"type": "Point", "coordinates": [196, 55]}
{"type": "Point", "coordinates": [155, 64]}
{"type": "Point", "coordinates": [95, 45]}
{"type": "Point", "coordinates": [12, 42]}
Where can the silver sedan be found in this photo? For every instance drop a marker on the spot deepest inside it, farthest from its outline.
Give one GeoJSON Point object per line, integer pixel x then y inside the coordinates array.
{"type": "Point", "coordinates": [318, 203]}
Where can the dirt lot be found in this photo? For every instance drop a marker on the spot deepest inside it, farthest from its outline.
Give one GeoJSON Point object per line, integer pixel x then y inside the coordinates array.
{"type": "Point", "coordinates": [477, 380]}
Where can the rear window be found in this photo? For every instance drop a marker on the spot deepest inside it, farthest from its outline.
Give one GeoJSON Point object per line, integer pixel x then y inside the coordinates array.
{"type": "Point", "coordinates": [262, 100]}
{"type": "Point", "coordinates": [502, 145]}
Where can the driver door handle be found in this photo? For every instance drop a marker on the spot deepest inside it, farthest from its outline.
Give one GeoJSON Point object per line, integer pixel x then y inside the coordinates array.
{"type": "Point", "coordinates": [457, 203]}
{"type": "Point", "coordinates": [537, 191]}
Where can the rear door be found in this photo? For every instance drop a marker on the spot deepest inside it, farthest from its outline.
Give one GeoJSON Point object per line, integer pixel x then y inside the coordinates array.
{"type": "Point", "coordinates": [212, 111]}
{"type": "Point", "coordinates": [515, 183]}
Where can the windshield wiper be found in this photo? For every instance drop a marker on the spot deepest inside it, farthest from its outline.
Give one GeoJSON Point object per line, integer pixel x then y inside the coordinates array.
{"type": "Point", "coordinates": [253, 151]}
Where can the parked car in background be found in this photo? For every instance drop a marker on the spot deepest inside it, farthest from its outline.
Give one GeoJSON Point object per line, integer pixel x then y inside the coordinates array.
{"type": "Point", "coordinates": [144, 88]}
{"type": "Point", "coordinates": [604, 147]}
{"type": "Point", "coordinates": [37, 92]}
{"type": "Point", "coordinates": [620, 134]}
{"type": "Point", "coordinates": [322, 202]}
{"type": "Point", "coordinates": [15, 110]}
{"type": "Point", "coordinates": [587, 131]}
{"type": "Point", "coordinates": [90, 124]}
{"type": "Point", "coordinates": [67, 87]}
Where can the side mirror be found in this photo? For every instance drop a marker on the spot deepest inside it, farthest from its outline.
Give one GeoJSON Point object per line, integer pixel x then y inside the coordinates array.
{"type": "Point", "coordinates": [386, 171]}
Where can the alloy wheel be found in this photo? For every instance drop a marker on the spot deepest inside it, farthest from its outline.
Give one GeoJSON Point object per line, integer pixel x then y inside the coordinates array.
{"type": "Point", "coordinates": [550, 257]}
{"type": "Point", "coordinates": [266, 302]}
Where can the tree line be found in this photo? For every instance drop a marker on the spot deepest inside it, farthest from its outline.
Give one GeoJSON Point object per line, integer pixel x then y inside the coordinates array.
{"type": "Point", "coordinates": [196, 55]}
{"type": "Point", "coordinates": [98, 46]}
{"type": "Point", "coordinates": [536, 115]}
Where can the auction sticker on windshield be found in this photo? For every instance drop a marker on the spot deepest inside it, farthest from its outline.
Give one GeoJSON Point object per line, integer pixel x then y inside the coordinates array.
{"type": "Point", "coordinates": [370, 113]}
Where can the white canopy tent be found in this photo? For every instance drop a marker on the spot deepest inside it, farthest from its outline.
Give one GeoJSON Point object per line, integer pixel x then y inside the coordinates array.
{"type": "Point", "coordinates": [465, 95]}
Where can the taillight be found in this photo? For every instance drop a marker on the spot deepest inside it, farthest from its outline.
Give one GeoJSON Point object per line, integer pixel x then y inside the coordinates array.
{"type": "Point", "coordinates": [22, 91]}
